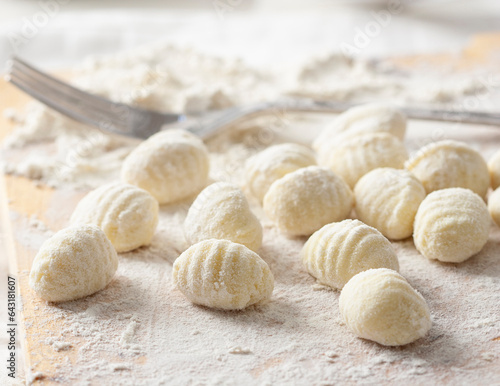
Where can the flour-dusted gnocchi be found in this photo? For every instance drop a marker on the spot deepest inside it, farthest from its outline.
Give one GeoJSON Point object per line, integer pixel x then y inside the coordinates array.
{"type": "Point", "coordinates": [171, 165]}
{"type": "Point", "coordinates": [450, 164]}
{"type": "Point", "coordinates": [371, 117]}
{"type": "Point", "coordinates": [273, 163]}
{"type": "Point", "coordinates": [451, 225]}
{"type": "Point", "coordinates": [380, 305]}
{"type": "Point", "coordinates": [303, 201]}
{"type": "Point", "coordinates": [388, 199]}
{"type": "Point", "coordinates": [338, 251]}
{"type": "Point", "coordinates": [75, 262]}
{"type": "Point", "coordinates": [221, 211]}
{"type": "Point", "coordinates": [127, 214]}
{"type": "Point", "coordinates": [353, 158]}
{"type": "Point", "coordinates": [222, 274]}
{"type": "Point", "coordinates": [494, 206]}
{"type": "Point", "coordinates": [494, 169]}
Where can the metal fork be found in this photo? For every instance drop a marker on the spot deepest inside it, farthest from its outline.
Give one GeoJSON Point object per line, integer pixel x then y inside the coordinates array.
{"type": "Point", "coordinates": [141, 123]}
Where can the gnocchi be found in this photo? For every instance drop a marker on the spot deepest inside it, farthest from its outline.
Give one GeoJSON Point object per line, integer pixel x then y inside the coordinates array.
{"type": "Point", "coordinates": [380, 305]}
{"type": "Point", "coordinates": [75, 262]}
{"type": "Point", "coordinates": [388, 199]}
{"type": "Point", "coordinates": [222, 274]}
{"type": "Point", "coordinates": [303, 201]}
{"type": "Point", "coordinates": [127, 214]}
{"type": "Point", "coordinates": [353, 158]}
{"type": "Point", "coordinates": [451, 225]}
{"type": "Point", "coordinates": [338, 251]}
{"type": "Point", "coordinates": [450, 164]}
{"type": "Point", "coordinates": [494, 169]}
{"type": "Point", "coordinates": [494, 206]}
{"type": "Point", "coordinates": [221, 211]}
{"type": "Point", "coordinates": [171, 165]}
{"type": "Point", "coordinates": [367, 118]}
{"type": "Point", "coordinates": [273, 163]}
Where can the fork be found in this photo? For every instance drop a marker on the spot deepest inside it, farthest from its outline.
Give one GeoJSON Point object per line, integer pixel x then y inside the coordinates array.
{"type": "Point", "coordinates": [137, 122]}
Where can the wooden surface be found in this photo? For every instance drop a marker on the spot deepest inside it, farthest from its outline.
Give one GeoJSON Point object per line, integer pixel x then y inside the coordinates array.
{"type": "Point", "coordinates": [27, 198]}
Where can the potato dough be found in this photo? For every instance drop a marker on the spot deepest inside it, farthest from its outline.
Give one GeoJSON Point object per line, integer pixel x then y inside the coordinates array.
{"type": "Point", "coordinates": [367, 118]}
{"type": "Point", "coordinates": [388, 199]}
{"type": "Point", "coordinates": [127, 214]}
{"type": "Point", "coordinates": [380, 305]}
{"type": "Point", "coordinates": [451, 225]}
{"type": "Point", "coordinates": [494, 206]}
{"type": "Point", "coordinates": [353, 158]}
{"type": "Point", "coordinates": [221, 211]}
{"type": "Point", "coordinates": [494, 169]}
{"type": "Point", "coordinates": [303, 201]}
{"type": "Point", "coordinates": [222, 274]}
{"type": "Point", "coordinates": [273, 163]}
{"type": "Point", "coordinates": [75, 262]}
{"type": "Point", "coordinates": [450, 164]}
{"type": "Point", "coordinates": [340, 250]}
{"type": "Point", "coordinates": [171, 165]}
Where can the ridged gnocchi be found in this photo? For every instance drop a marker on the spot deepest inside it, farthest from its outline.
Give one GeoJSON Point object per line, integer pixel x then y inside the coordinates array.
{"type": "Point", "coordinates": [303, 201]}
{"type": "Point", "coordinates": [354, 157]}
{"type": "Point", "coordinates": [75, 262]}
{"type": "Point", "coordinates": [388, 199]}
{"type": "Point", "coordinates": [221, 211]}
{"type": "Point", "coordinates": [273, 163]}
{"type": "Point", "coordinates": [380, 305]}
{"type": "Point", "coordinates": [494, 206]}
{"type": "Point", "coordinates": [451, 225]}
{"type": "Point", "coordinates": [171, 165]}
{"type": "Point", "coordinates": [494, 169]}
{"type": "Point", "coordinates": [450, 164]}
{"type": "Point", "coordinates": [367, 118]}
{"type": "Point", "coordinates": [127, 214]}
{"type": "Point", "coordinates": [222, 274]}
{"type": "Point", "coordinates": [338, 251]}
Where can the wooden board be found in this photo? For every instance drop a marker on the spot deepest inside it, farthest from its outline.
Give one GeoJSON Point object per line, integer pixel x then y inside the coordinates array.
{"type": "Point", "coordinates": [27, 198]}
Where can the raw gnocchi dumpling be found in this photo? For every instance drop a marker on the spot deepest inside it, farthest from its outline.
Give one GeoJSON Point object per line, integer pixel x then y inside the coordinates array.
{"type": "Point", "coordinates": [222, 274]}
{"type": "Point", "coordinates": [171, 165]}
{"type": "Point", "coordinates": [371, 117]}
{"type": "Point", "coordinates": [353, 158]}
{"type": "Point", "coordinates": [388, 199]}
{"type": "Point", "coordinates": [494, 206]}
{"type": "Point", "coordinates": [451, 225]}
{"type": "Point", "coordinates": [494, 169]}
{"type": "Point", "coordinates": [221, 211]}
{"type": "Point", "coordinates": [338, 251]}
{"type": "Point", "coordinates": [273, 163]}
{"type": "Point", "coordinates": [303, 201]}
{"type": "Point", "coordinates": [450, 164]}
{"type": "Point", "coordinates": [380, 305]}
{"type": "Point", "coordinates": [127, 214]}
{"type": "Point", "coordinates": [75, 262]}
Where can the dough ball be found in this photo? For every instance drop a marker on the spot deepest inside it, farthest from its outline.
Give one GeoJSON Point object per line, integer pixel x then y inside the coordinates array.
{"type": "Point", "coordinates": [127, 214]}
{"type": "Point", "coordinates": [494, 169]}
{"type": "Point", "coordinates": [353, 158]}
{"type": "Point", "coordinates": [450, 164]}
{"type": "Point", "coordinates": [367, 118]}
{"type": "Point", "coordinates": [380, 305]}
{"type": "Point", "coordinates": [223, 274]}
{"type": "Point", "coordinates": [75, 262]}
{"type": "Point", "coordinates": [221, 211]}
{"type": "Point", "coordinates": [388, 199]}
{"type": "Point", "coordinates": [338, 251]}
{"type": "Point", "coordinates": [273, 163]}
{"type": "Point", "coordinates": [303, 201]}
{"type": "Point", "coordinates": [451, 225]}
{"type": "Point", "coordinates": [494, 206]}
{"type": "Point", "coordinates": [171, 165]}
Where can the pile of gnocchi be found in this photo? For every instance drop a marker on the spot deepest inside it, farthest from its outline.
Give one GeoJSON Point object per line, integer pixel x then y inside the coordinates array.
{"type": "Point", "coordinates": [349, 194]}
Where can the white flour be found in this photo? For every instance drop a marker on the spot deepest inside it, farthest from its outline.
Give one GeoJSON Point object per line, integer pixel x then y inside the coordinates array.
{"type": "Point", "coordinates": [141, 331]}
